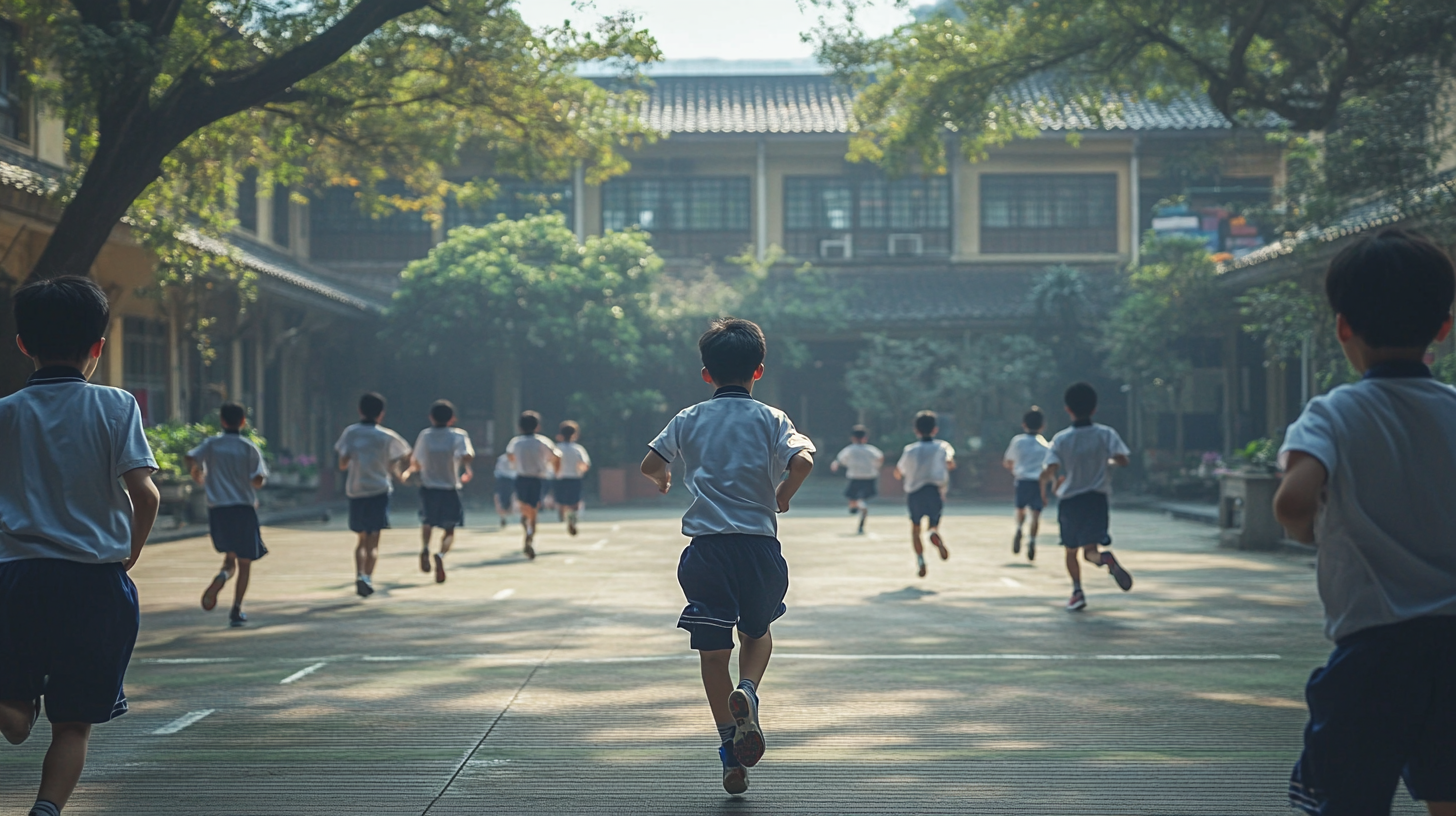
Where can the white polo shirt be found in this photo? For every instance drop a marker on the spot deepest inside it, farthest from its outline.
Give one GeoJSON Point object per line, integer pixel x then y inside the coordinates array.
{"type": "Point", "coordinates": [1384, 527]}
{"type": "Point", "coordinates": [503, 467]}
{"type": "Point", "coordinates": [734, 450]}
{"type": "Point", "coordinates": [926, 462]}
{"type": "Point", "coordinates": [532, 456]}
{"type": "Point", "coordinates": [573, 456]}
{"type": "Point", "coordinates": [440, 450]}
{"type": "Point", "coordinates": [64, 445]}
{"type": "Point", "coordinates": [1027, 454]}
{"type": "Point", "coordinates": [230, 462]}
{"type": "Point", "coordinates": [860, 461]}
{"type": "Point", "coordinates": [373, 449]}
{"type": "Point", "coordinates": [1082, 452]}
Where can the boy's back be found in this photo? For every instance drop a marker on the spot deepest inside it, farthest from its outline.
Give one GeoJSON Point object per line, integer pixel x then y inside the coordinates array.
{"type": "Point", "coordinates": [1082, 450]}
{"type": "Point", "coordinates": [925, 462]}
{"type": "Point", "coordinates": [860, 460]}
{"type": "Point", "coordinates": [67, 444]}
{"type": "Point", "coordinates": [734, 451]}
{"type": "Point", "coordinates": [573, 456]}
{"type": "Point", "coordinates": [440, 450]}
{"type": "Point", "coordinates": [373, 449]}
{"type": "Point", "coordinates": [1388, 446]}
{"type": "Point", "coordinates": [533, 453]}
{"type": "Point", "coordinates": [1027, 453]}
{"type": "Point", "coordinates": [232, 461]}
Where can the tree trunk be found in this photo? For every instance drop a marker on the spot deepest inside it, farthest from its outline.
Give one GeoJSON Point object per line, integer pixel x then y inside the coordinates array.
{"type": "Point", "coordinates": [507, 397]}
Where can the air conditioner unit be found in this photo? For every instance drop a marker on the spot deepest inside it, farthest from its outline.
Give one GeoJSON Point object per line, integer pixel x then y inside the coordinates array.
{"type": "Point", "coordinates": [906, 243]}
{"type": "Point", "coordinates": [840, 249]}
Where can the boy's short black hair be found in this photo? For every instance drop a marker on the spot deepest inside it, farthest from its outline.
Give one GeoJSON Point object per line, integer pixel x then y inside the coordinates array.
{"type": "Point", "coordinates": [1394, 288]}
{"type": "Point", "coordinates": [60, 319]}
{"type": "Point", "coordinates": [732, 349]}
{"type": "Point", "coordinates": [926, 422]}
{"type": "Point", "coordinates": [1033, 419]}
{"type": "Point", "coordinates": [858, 432]}
{"type": "Point", "coordinates": [232, 415]}
{"type": "Point", "coordinates": [1081, 399]}
{"type": "Point", "coordinates": [529, 422]}
{"type": "Point", "coordinates": [442, 411]}
{"type": "Point", "coordinates": [568, 430]}
{"type": "Point", "coordinates": [371, 406]}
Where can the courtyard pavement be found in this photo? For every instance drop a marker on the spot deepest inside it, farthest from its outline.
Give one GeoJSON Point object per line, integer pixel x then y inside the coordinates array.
{"type": "Point", "coordinates": [561, 686]}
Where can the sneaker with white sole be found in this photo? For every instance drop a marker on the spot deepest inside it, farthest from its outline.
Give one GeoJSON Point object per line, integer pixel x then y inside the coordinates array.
{"type": "Point", "coordinates": [735, 776]}
{"type": "Point", "coordinates": [209, 596]}
{"type": "Point", "coordinates": [939, 545]}
{"type": "Point", "coordinates": [748, 744]}
{"type": "Point", "coordinates": [1120, 575]}
{"type": "Point", "coordinates": [1078, 601]}
{"type": "Point", "coordinates": [1016, 543]}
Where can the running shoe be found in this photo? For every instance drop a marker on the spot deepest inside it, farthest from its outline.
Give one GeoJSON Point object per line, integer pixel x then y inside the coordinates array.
{"type": "Point", "coordinates": [735, 776]}
{"type": "Point", "coordinates": [529, 550]}
{"type": "Point", "coordinates": [425, 560]}
{"type": "Point", "coordinates": [209, 597]}
{"type": "Point", "coordinates": [1031, 550]}
{"type": "Point", "coordinates": [747, 738]}
{"type": "Point", "coordinates": [939, 545]}
{"type": "Point", "coordinates": [1078, 601]}
{"type": "Point", "coordinates": [364, 588]}
{"type": "Point", "coordinates": [571, 523]}
{"type": "Point", "coordinates": [1120, 575]}
{"type": "Point", "coordinates": [236, 618]}
{"type": "Point", "coordinates": [1016, 543]}
{"type": "Point", "coordinates": [920, 563]}
{"type": "Point", "coordinates": [439, 569]}
{"type": "Point", "coordinates": [863, 514]}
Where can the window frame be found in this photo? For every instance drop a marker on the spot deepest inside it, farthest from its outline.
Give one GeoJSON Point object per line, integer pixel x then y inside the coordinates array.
{"type": "Point", "coordinates": [690, 204]}
{"type": "Point", "coordinates": [1049, 213]}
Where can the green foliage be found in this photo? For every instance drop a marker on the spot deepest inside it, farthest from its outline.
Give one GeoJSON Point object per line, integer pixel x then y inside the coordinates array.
{"type": "Point", "coordinates": [170, 442]}
{"type": "Point", "coordinates": [1293, 321]}
{"type": "Point", "coordinates": [1445, 369]}
{"type": "Point", "coordinates": [1260, 454]}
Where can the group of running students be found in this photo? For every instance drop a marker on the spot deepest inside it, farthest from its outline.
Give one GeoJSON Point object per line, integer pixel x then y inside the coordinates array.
{"type": "Point", "coordinates": [1369, 469]}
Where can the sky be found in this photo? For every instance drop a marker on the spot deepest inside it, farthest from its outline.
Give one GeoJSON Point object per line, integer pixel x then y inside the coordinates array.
{"type": "Point", "coordinates": [722, 29]}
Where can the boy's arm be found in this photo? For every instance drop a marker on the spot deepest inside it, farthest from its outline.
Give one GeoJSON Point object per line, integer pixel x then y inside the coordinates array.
{"type": "Point", "coordinates": [194, 469]}
{"type": "Point", "coordinates": [468, 463]}
{"type": "Point", "coordinates": [656, 468]}
{"type": "Point", "coordinates": [1120, 460]}
{"type": "Point", "coordinates": [344, 461]}
{"type": "Point", "coordinates": [1297, 501]}
{"type": "Point", "coordinates": [145, 499]}
{"type": "Point", "coordinates": [799, 468]}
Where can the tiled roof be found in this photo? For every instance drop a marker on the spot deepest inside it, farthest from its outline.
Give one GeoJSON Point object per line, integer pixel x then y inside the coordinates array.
{"type": "Point", "coordinates": [950, 295]}
{"type": "Point", "coordinates": [25, 173]}
{"type": "Point", "coordinates": [819, 104]}
{"type": "Point", "coordinates": [286, 275]}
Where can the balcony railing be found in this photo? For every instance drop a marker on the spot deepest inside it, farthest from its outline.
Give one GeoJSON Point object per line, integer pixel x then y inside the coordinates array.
{"type": "Point", "coordinates": [879, 244]}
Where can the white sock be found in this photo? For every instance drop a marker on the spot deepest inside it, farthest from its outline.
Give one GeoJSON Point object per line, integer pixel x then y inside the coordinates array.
{"type": "Point", "coordinates": [365, 578]}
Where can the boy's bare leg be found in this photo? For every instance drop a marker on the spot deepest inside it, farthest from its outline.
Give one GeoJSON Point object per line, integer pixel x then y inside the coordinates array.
{"type": "Point", "coordinates": [1074, 567]}
{"type": "Point", "coordinates": [919, 547]}
{"type": "Point", "coordinates": [1035, 522]}
{"type": "Point", "coordinates": [63, 762]}
{"type": "Point", "coordinates": [1091, 554]}
{"type": "Point", "coordinates": [1020, 517]}
{"type": "Point", "coordinates": [1441, 808]}
{"type": "Point", "coordinates": [240, 588]}
{"type": "Point", "coordinates": [447, 539]}
{"type": "Point", "coordinates": [528, 520]}
{"type": "Point", "coordinates": [425, 532]}
{"type": "Point", "coordinates": [718, 683]}
{"type": "Point", "coordinates": [753, 658]}
{"type": "Point", "coordinates": [15, 720]}
{"type": "Point", "coordinates": [367, 553]}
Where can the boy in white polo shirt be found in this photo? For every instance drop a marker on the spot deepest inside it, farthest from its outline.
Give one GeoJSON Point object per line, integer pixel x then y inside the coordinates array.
{"type": "Point", "coordinates": [925, 467]}
{"type": "Point", "coordinates": [76, 505]}
{"type": "Point", "coordinates": [861, 462]}
{"type": "Point", "coordinates": [534, 457]}
{"type": "Point", "coordinates": [734, 451]}
{"type": "Point", "coordinates": [1024, 458]}
{"type": "Point", "coordinates": [1369, 470]}
{"type": "Point", "coordinates": [573, 464]}
{"type": "Point", "coordinates": [231, 469]}
{"type": "Point", "coordinates": [441, 452]}
{"type": "Point", "coordinates": [1078, 461]}
{"type": "Point", "coordinates": [374, 456]}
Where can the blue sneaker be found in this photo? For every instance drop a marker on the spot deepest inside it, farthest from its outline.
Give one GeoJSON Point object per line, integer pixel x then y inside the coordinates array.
{"type": "Point", "coordinates": [748, 744]}
{"type": "Point", "coordinates": [735, 776]}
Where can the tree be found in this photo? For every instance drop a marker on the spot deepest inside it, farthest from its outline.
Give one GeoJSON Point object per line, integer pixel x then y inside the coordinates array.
{"type": "Point", "coordinates": [498, 300]}
{"type": "Point", "coordinates": [1296, 326]}
{"type": "Point", "coordinates": [170, 100]}
{"type": "Point", "coordinates": [960, 70]}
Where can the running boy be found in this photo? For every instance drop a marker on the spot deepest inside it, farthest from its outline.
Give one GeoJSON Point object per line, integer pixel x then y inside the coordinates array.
{"type": "Point", "coordinates": [76, 505]}
{"type": "Point", "coordinates": [1024, 458]}
{"type": "Point", "coordinates": [1368, 475]}
{"type": "Point", "coordinates": [505, 488]}
{"type": "Point", "coordinates": [573, 464]}
{"type": "Point", "coordinates": [925, 467]}
{"type": "Point", "coordinates": [231, 469]}
{"type": "Point", "coordinates": [1077, 461]}
{"type": "Point", "coordinates": [734, 451]}
{"type": "Point", "coordinates": [534, 456]}
{"type": "Point", "coordinates": [374, 456]}
{"type": "Point", "coordinates": [861, 462]}
{"type": "Point", "coordinates": [441, 451]}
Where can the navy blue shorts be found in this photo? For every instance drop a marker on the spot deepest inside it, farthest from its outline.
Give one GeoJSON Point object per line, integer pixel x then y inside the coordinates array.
{"type": "Point", "coordinates": [440, 507]}
{"type": "Point", "coordinates": [925, 502]}
{"type": "Point", "coordinates": [66, 633]}
{"type": "Point", "coordinates": [731, 581]}
{"type": "Point", "coordinates": [369, 514]}
{"type": "Point", "coordinates": [235, 530]}
{"type": "Point", "coordinates": [528, 490]}
{"type": "Point", "coordinates": [505, 491]}
{"type": "Point", "coordinates": [567, 492]}
{"type": "Point", "coordinates": [1083, 519]}
{"type": "Point", "coordinates": [1028, 494]}
{"type": "Point", "coordinates": [1382, 709]}
{"type": "Point", "coordinates": [861, 489]}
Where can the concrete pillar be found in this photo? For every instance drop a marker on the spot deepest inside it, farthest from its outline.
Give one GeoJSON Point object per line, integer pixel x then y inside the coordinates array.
{"type": "Point", "coordinates": [115, 353]}
{"type": "Point", "coordinates": [1135, 206]}
{"type": "Point", "coordinates": [174, 368]}
{"type": "Point", "coordinates": [235, 373]}
{"type": "Point", "coordinates": [761, 200]}
{"type": "Point", "coordinates": [578, 202]}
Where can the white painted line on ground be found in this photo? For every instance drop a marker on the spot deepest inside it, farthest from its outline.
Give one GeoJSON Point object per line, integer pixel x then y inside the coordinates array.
{"type": "Point", "coordinates": [182, 722]}
{"type": "Point", "coordinates": [503, 594]}
{"type": "Point", "coordinates": [807, 656]}
{"type": "Point", "coordinates": [569, 561]}
{"type": "Point", "coordinates": [302, 673]}
{"type": "Point", "coordinates": [599, 544]}
{"type": "Point", "coordinates": [1011, 582]}
{"type": "Point", "coordinates": [616, 527]}
{"type": "Point", "coordinates": [514, 659]}
{"type": "Point", "coordinates": [875, 536]}
{"type": "Point", "coordinates": [182, 661]}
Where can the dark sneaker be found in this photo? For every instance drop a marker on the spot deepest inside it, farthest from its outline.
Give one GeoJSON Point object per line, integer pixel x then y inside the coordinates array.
{"type": "Point", "coordinates": [571, 524]}
{"type": "Point", "coordinates": [863, 514]}
{"type": "Point", "coordinates": [1031, 550]}
{"type": "Point", "coordinates": [364, 588]}
{"type": "Point", "coordinates": [439, 569]}
{"type": "Point", "coordinates": [209, 597]}
{"type": "Point", "coordinates": [747, 738]}
{"type": "Point", "coordinates": [939, 545]}
{"type": "Point", "coordinates": [425, 560]}
{"type": "Point", "coordinates": [1078, 601]}
{"type": "Point", "coordinates": [1120, 575]}
{"type": "Point", "coordinates": [236, 619]}
{"type": "Point", "coordinates": [735, 776]}
{"type": "Point", "coordinates": [920, 563]}
{"type": "Point", "coordinates": [1016, 543]}
{"type": "Point", "coordinates": [529, 550]}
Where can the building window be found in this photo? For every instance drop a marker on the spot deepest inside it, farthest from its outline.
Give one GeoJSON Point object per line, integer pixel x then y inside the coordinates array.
{"type": "Point", "coordinates": [248, 201]}
{"type": "Point", "coordinates": [144, 363]}
{"type": "Point", "coordinates": [833, 217]}
{"type": "Point", "coordinates": [14, 100]}
{"type": "Point", "coordinates": [282, 223]}
{"type": "Point", "coordinates": [1045, 213]}
{"type": "Point", "coordinates": [686, 216]}
{"type": "Point", "coordinates": [515, 200]}
{"type": "Point", "coordinates": [340, 231]}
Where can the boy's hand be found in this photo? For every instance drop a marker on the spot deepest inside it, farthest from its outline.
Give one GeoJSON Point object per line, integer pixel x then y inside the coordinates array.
{"type": "Point", "coordinates": [467, 476]}
{"type": "Point", "coordinates": [799, 468]}
{"type": "Point", "coordinates": [1297, 501]}
{"type": "Point", "coordinates": [145, 499]}
{"type": "Point", "coordinates": [655, 468]}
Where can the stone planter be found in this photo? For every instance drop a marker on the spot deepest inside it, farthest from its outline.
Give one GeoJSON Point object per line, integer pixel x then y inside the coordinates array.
{"type": "Point", "coordinates": [1246, 511]}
